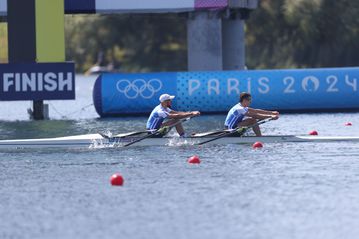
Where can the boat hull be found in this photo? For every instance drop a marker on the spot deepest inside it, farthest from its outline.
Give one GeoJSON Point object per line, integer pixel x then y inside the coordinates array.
{"type": "Point", "coordinates": [97, 141]}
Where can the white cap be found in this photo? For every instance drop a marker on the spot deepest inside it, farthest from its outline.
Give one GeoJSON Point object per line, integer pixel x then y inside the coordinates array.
{"type": "Point", "coordinates": [165, 97]}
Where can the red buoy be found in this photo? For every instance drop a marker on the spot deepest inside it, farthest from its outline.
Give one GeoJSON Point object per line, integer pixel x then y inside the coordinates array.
{"type": "Point", "coordinates": [257, 145]}
{"type": "Point", "coordinates": [194, 159]}
{"type": "Point", "coordinates": [348, 124]}
{"type": "Point", "coordinates": [116, 180]}
{"type": "Point", "coordinates": [313, 132]}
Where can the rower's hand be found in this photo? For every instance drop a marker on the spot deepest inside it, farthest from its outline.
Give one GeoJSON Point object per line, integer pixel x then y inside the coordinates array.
{"type": "Point", "coordinates": [275, 113]}
{"type": "Point", "coordinates": [195, 113]}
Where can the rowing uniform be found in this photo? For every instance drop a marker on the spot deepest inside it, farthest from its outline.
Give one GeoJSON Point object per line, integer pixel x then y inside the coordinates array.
{"type": "Point", "coordinates": [158, 115]}
{"type": "Point", "coordinates": [235, 116]}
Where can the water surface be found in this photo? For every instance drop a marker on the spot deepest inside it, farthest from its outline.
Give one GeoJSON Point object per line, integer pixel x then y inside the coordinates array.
{"type": "Point", "coordinates": [294, 190]}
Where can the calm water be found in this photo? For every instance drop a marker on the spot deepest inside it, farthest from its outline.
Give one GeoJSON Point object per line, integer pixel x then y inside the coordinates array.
{"type": "Point", "coordinates": [284, 191]}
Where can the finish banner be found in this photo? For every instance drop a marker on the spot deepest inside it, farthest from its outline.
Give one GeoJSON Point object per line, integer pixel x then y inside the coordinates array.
{"type": "Point", "coordinates": [37, 81]}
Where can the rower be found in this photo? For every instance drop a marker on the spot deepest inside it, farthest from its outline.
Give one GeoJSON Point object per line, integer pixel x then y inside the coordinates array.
{"type": "Point", "coordinates": [163, 111]}
{"type": "Point", "coordinates": [242, 115]}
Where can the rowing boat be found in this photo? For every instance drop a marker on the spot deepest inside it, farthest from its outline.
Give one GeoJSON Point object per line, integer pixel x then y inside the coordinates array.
{"type": "Point", "coordinates": [97, 140]}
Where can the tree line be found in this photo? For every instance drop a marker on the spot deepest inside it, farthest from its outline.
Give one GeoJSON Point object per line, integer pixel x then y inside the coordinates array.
{"type": "Point", "coordinates": [303, 33]}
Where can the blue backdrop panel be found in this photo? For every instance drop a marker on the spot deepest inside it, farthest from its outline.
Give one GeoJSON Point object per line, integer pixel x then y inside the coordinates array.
{"type": "Point", "coordinates": [292, 90]}
{"type": "Point", "coordinates": [123, 94]}
{"type": "Point", "coordinates": [211, 91]}
{"type": "Point", "coordinates": [306, 89]}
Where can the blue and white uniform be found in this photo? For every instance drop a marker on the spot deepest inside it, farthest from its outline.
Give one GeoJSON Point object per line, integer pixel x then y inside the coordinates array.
{"type": "Point", "coordinates": [158, 115]}
{"type": "Point", "coordinates": [235, 115]}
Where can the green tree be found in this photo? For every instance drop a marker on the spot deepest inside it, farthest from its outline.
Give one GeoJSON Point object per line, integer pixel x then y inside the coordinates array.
{"type": "Point", "coordinates": [303, 33]}
{"type": "Point", "coordinates": [138, 43]}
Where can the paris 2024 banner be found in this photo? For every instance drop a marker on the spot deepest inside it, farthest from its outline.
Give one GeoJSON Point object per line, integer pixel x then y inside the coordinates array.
{"type": "Point", "coordinates": [324, 89]}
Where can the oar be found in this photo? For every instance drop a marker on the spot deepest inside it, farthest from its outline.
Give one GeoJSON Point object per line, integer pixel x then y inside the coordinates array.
{"type": "Point", "coordinates": [156, 132]}
{"type": "Point", "coordinates": [201, 135]}
{"type": "Point", "coordinates": [118, 136]}
{"type": "Point", "coordinates": [240, 130]}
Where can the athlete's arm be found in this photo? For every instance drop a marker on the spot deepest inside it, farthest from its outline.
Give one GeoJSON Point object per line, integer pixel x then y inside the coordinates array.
{"type": "Point", "coordinates": [180, 115]}
{"type": "Point", "coordinates": [260, 111]}
{"type": "Point", "coordinates": [262, 114]}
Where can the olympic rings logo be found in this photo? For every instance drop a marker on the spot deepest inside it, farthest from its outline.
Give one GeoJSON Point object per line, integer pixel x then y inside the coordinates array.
{"type": "Point", "coordinates": [139, 87]}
